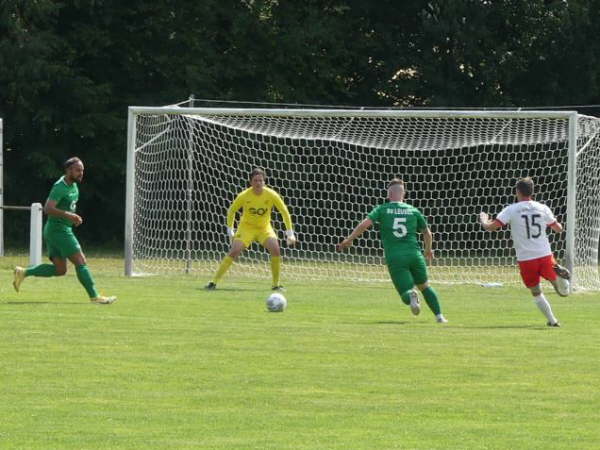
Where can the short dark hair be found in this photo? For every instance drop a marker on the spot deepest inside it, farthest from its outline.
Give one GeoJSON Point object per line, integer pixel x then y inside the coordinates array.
{"type": "Point", "coordinates": [258, 171]}
{"type": "Point", "coordinates": [69, 162]}
{"type": "Point", "coordinates": [396, 181]}
{"type": "Point", "coordinates": [525, 186]}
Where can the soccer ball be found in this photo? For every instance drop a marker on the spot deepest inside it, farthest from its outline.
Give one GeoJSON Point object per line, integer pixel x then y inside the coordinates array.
{"type": "Point", "coordinates": [276, 302]}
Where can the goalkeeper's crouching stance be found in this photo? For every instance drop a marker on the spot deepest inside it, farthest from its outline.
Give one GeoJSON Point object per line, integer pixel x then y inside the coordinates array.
{"type": "Point", "coordinates": [255, 225]}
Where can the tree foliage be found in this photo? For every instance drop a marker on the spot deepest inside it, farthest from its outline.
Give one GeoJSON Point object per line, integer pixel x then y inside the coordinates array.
{"type": "Point", "coordinates": [68, 70]}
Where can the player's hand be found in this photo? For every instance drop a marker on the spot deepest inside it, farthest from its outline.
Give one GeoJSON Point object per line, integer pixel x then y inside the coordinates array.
{"type": "Point", "coordinates": [290, 238]}
{"type": "Point", "coordinates": [76, 219]}
{"type": "Point", "coordinates": [429, 256]}
{"type": "Point", "coordinates": [344, 244]}
{"type": "Point", "coordinates": [483, 218]}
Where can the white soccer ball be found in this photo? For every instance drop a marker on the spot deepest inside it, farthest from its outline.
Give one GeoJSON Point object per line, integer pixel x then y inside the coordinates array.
{"type": "Point", "coordinates": [276, 302]}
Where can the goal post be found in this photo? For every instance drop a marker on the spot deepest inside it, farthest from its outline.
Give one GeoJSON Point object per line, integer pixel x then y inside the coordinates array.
{"type": "Point", "coordinates": [571, 250]}
{"type": "Point", "coordinates": [132, 148]}
{"type": "Point", "coordinates": [185, 166]}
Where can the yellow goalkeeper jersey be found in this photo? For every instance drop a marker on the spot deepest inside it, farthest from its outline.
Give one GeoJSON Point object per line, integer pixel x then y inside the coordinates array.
{"type": "Point", "coordinates": [257, 209]}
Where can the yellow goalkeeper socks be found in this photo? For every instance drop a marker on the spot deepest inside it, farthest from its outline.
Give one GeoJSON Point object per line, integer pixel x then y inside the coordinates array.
{"type": "Point", "coordinates": [275, 269]}
{"type": "Point", "coordinates": [223, 267]}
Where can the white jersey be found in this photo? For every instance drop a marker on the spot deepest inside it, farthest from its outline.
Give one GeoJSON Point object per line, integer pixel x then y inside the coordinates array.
{"type": "Point", "coordinates": [528, 221]}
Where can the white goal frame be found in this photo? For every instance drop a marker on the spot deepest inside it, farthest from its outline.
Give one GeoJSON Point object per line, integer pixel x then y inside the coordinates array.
{"type": "Point", "coordinates": [571, 173]}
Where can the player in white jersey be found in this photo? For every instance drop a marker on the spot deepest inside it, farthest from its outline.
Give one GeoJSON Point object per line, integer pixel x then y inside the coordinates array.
{"type": "Point", "coordinates": [528, 220]}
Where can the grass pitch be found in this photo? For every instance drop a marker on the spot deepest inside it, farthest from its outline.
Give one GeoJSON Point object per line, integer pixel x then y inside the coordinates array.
{"type": "Point", "coordinates": [346, 366]}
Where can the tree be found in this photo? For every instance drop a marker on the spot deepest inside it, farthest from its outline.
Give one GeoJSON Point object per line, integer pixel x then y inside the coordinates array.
{"type": "Point", "coordinates": [68, 70]}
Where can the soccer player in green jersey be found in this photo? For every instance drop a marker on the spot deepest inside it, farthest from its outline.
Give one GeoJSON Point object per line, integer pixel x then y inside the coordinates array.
{"type": "Point", "coordinates": [58, 233]}
{"type": "Point", "coordinates": [399, 223]}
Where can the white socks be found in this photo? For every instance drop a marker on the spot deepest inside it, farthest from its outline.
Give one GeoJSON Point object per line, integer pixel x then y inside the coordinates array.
{"type": "Point", "coordinates": [545, 308]}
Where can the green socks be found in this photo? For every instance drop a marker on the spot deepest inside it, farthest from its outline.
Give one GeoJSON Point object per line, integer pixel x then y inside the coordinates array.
{"type": "Point", "coordinates": [85, 278]}
{"type": "Point", "coordinates": [49, 270]}
{"type": "Point", "coordinates": [432, 300]}
{"type": "Point", "coordinates": [406, 297]}
{"type": "Point", "coordinates": [41, 270]}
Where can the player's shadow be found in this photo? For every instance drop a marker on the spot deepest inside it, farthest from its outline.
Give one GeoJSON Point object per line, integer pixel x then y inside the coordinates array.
{"type": "Point", "coordinates": [45, 303]}
{"type": "Point", "coordinates": [227, 290]}
{"type": "Point", "coordinates": [390, 322]}
{"type": "Point", "coordinates": [503, 327]}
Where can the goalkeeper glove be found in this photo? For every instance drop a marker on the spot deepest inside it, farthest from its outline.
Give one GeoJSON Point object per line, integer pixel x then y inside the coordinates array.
{"type": "Point", "coordinates": [230, 232]}
{"type": "Point", "coordinates": [290, 237]}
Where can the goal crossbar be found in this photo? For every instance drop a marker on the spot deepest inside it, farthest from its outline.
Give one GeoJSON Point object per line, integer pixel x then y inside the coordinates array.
{"type": "Point", "coordinates": [496, 114]}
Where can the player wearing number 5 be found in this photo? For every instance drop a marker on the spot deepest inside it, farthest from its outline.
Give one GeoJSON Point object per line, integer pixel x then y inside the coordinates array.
{"type": "Point", "coordinates": [255, 226]}
{"type": "Point", "coordinates": [528, 220]}
{"type": "Point", "coordinates": [399, 223]}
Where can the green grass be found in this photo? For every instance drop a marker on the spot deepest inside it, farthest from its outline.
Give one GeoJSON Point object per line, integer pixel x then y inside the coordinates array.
{"type": "Point", "coordinates": [346, 366]}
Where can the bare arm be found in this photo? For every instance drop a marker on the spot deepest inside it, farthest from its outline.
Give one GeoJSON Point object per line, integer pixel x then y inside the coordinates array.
{"type": "Point", "coordinates": [428, 244]}
{"type": "Point", "coordinates": [51, 210]}
{"type": "Point", "coordinates": [360, 229]}
{"type": "Point", "coordinates": [557, 227]}
{"type": "Point", "coordinates": [487, 223]}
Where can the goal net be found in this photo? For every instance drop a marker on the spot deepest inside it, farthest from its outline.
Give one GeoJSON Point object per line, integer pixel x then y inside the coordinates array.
{"type": "Point", "coordinates": [186, 165]}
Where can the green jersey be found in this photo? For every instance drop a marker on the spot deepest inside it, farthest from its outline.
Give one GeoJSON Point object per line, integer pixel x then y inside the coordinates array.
{"type": "Point", "coordinates": [66, 198]}
{"type": "Point", "coordinates": [399, 224]}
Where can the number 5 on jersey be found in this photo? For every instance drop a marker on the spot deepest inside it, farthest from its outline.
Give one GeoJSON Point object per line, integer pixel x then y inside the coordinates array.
{"type": "Point", "coordinates": [399, 228]}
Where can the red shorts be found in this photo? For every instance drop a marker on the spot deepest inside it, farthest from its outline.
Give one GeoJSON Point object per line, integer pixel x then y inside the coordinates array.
{"type": "Point", "coordinates": [533, 269]}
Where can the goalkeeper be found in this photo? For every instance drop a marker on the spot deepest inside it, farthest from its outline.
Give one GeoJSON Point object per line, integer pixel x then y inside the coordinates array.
{"type": "Point", "coordinates": [255, 225]}
{"type": "Point", "coordinates": [58, 233]}
{"type": "Point", "coordinates": [399, 224]}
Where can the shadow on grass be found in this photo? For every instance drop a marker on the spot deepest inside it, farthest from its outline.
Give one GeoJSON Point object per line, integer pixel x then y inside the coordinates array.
{"type": "Point", "coordinates": [231, 289]}
{"type": "Point", "coordinates": [390, 322]}
{"type": "Point", "coordinates": [503, 327]}
{"type": "Point", "coordinates": [45, 303]}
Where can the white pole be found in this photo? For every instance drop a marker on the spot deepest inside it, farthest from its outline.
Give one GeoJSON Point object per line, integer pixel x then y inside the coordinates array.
{"type": "Point", "coordinates": [189, 193]}
{"type": "Point", "coordinates": [35, 235]}
{"type": "Point", "coordinates": [1, 193]}
{"type": "Point", "coordinates": [478, 114]}
{"type": "Point", "coordinates": [571, 251]}
{"type": "Point", "coordinates": [130, 192]}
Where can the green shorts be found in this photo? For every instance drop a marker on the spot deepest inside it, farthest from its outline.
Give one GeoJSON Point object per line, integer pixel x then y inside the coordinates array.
{"type": "Point", "coordinates": [60, 241]}
{"type": "Point", "coordinates": [406, 271]}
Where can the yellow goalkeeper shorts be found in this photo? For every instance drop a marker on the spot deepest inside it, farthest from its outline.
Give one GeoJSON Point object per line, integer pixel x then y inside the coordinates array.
{"type": "Point", "coordinates": [248, 234]}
